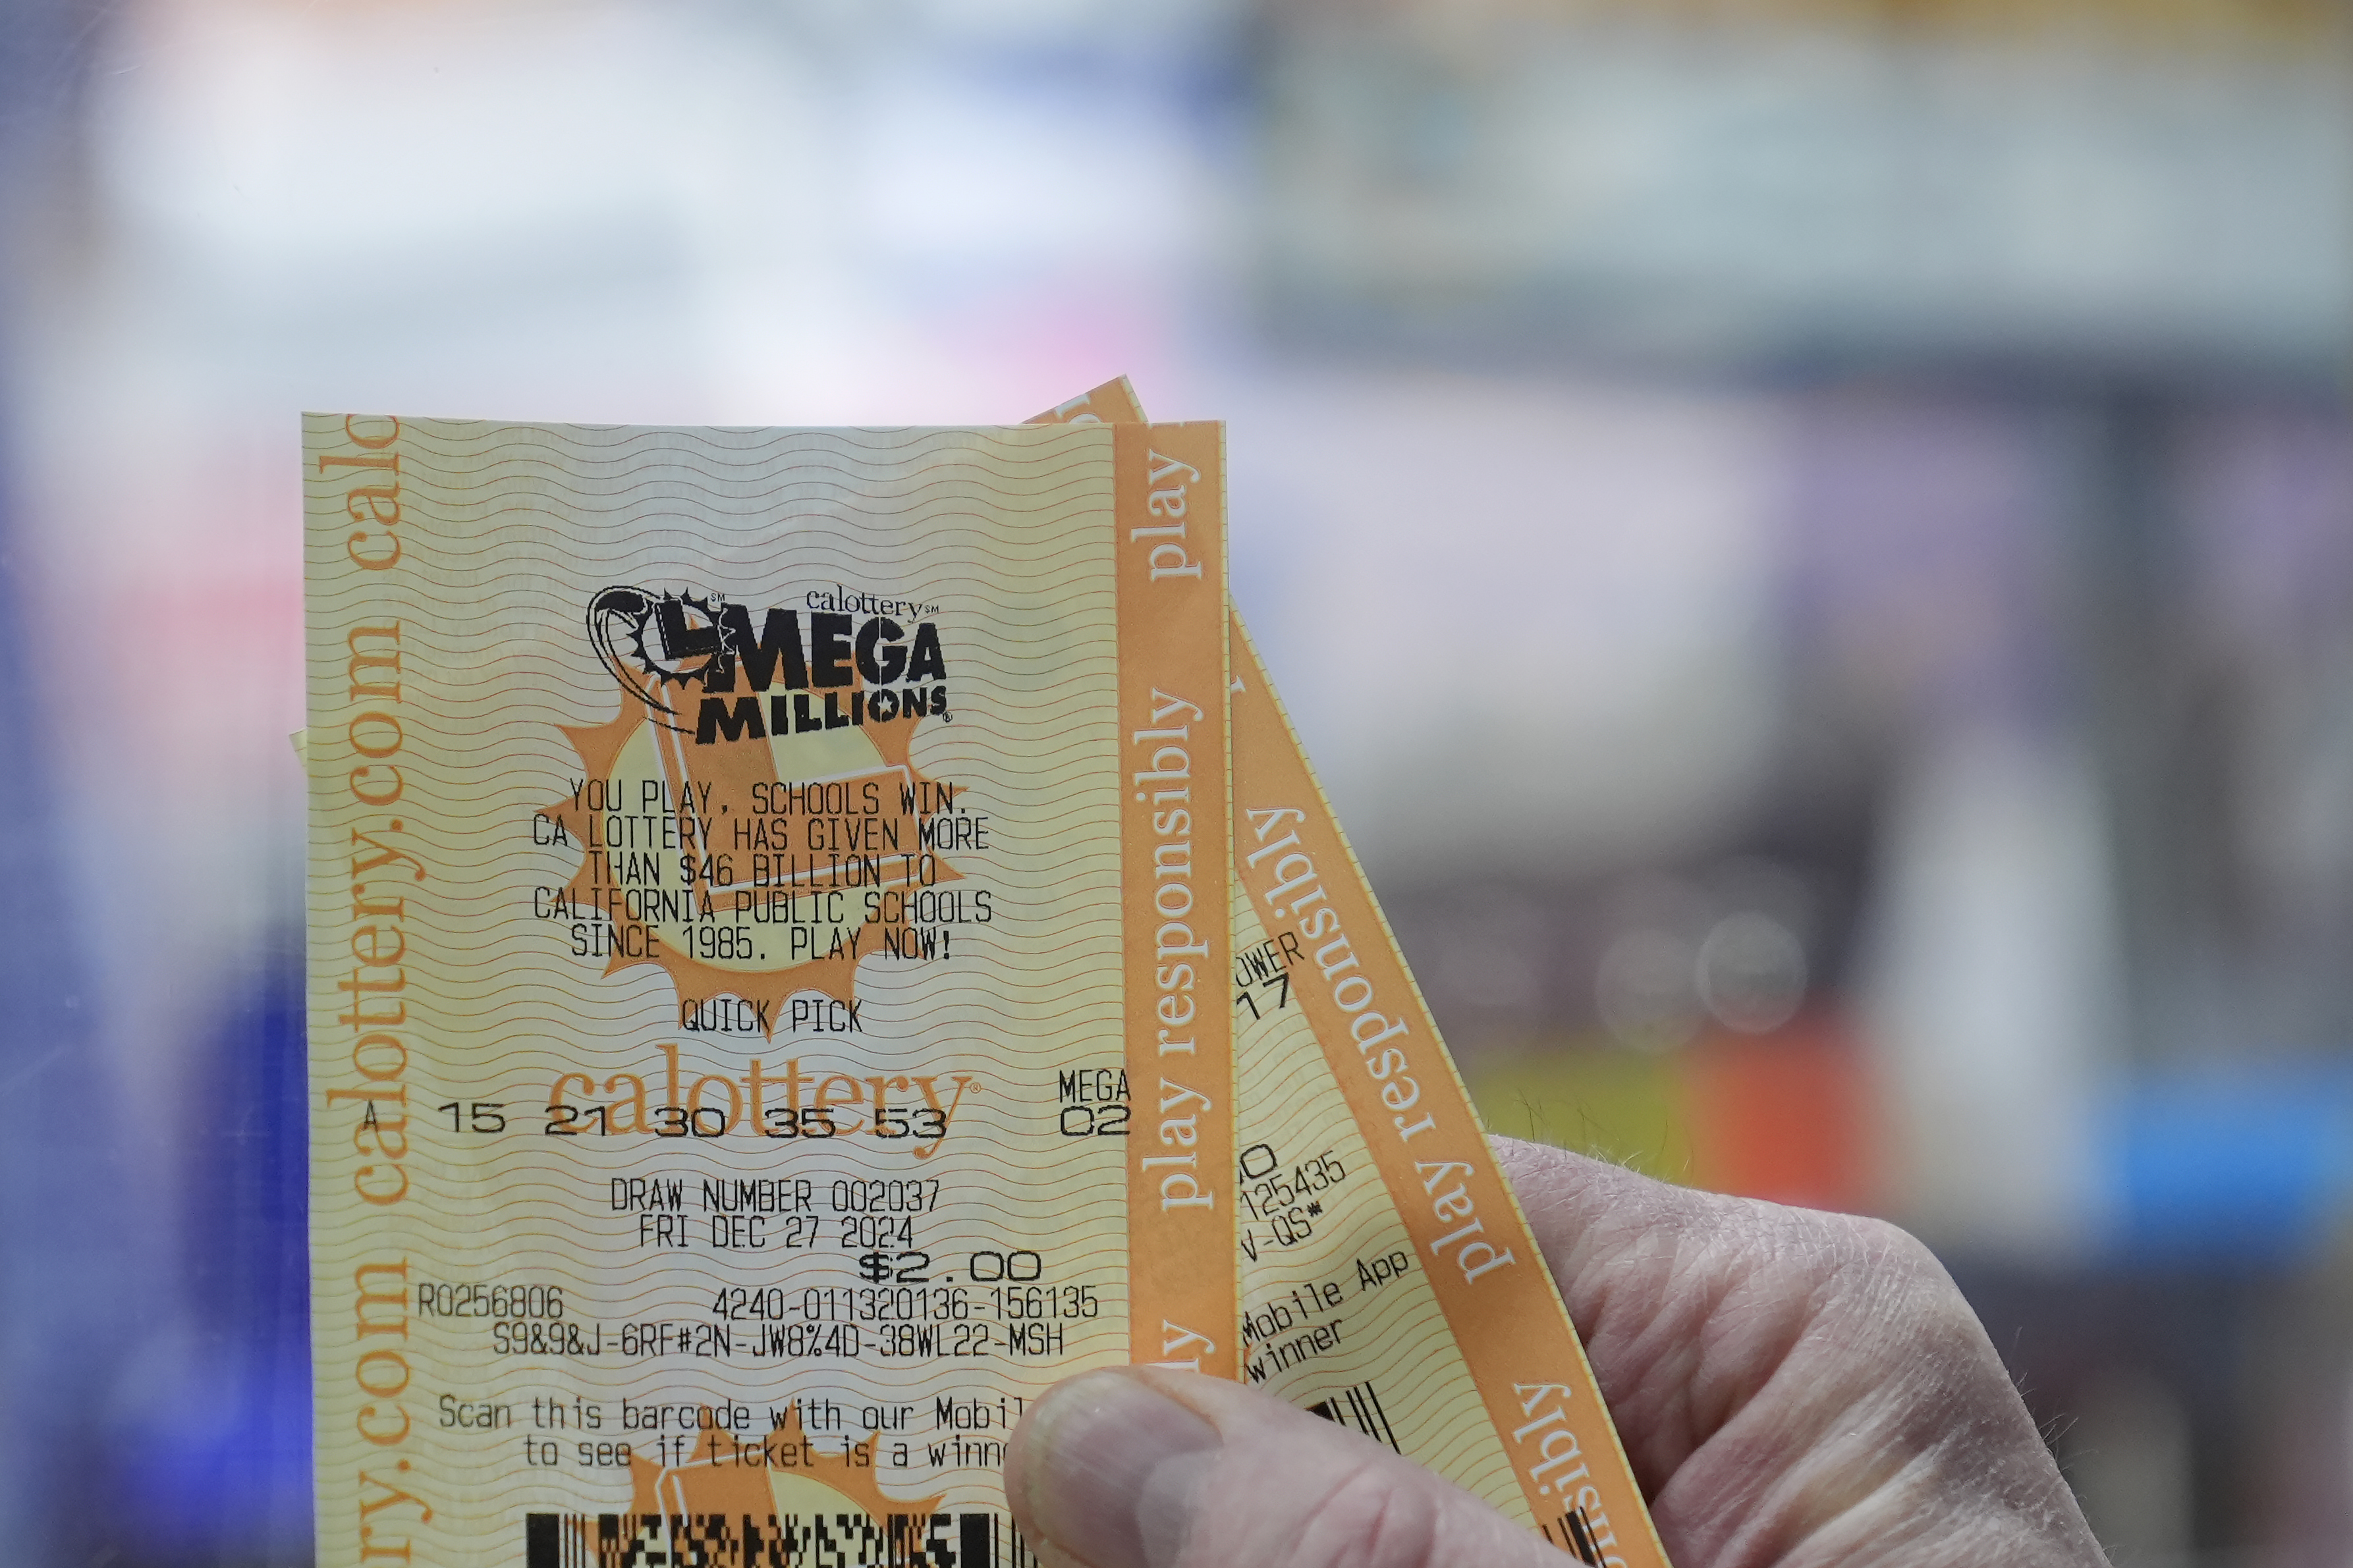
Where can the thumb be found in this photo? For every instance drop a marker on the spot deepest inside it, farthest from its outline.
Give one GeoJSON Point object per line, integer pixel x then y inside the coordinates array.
{"type": "Point", "coordinates": [1143, 1469]}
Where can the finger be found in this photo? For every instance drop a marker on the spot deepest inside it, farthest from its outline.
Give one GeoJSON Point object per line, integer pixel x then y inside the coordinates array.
{"type": "Point", "coordinates": [1782, 1374]}
{"type": "Point", "coordinates": [1686, 1301]}
{"type": "Point", "coordinates": [1691, 1304]}
{"type": "Point", "coordinates": [1143, 1469]}
{"type": "Point", "coordinates": [1614, 1238]}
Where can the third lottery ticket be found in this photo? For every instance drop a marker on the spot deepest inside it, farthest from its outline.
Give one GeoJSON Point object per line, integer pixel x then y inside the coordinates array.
{"type": "Point", "coordinates": [1389, 1281]}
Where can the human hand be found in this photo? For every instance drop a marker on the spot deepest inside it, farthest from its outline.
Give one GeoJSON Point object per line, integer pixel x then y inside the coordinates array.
{"type": "Point", "coordinates": [1795, 1390]}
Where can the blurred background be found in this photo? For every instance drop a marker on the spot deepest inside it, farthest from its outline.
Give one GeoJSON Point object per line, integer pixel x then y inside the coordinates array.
{"type": "Point", "coordinates": [1811, 542]}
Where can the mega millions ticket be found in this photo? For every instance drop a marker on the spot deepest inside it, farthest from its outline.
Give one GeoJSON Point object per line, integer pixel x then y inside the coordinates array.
{"type": "Point", "coordinates": [768, 930]}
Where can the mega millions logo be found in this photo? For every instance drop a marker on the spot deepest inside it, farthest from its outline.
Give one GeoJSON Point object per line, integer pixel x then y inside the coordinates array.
{"type": "Point", "coordinates": [750, 821]}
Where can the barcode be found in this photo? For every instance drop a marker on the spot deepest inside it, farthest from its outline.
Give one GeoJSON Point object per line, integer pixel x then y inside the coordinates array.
{"type": "Point", "coordinates": [983, 1538]}
{"type": "Point", "coordinates": [1573, 1534]}
{"type": "Point", "coordinates": [1360, 1407]}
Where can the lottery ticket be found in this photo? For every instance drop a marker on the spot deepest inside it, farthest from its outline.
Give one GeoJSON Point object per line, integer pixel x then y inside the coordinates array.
{"type": "Point", "coordinates": [1389, 1281]}
{"type": "Point", "coordinates": [769, 921]}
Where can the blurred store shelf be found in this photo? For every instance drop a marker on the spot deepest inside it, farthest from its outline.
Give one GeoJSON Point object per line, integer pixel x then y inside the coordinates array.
{"type": "Point", "coordinates": [2102, 187]}
{"type": "Point", "coordinates": [1789, 1116]}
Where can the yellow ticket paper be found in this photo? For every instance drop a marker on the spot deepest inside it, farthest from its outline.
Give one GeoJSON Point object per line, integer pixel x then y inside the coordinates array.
{"type": "Point", "coordinates": [1389, 1281]}
{"type": "Point", "coordinates": [768, 935]}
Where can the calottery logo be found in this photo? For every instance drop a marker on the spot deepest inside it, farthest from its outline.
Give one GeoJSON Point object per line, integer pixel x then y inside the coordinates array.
{"type": "Point", "coordinates": [750, 821]}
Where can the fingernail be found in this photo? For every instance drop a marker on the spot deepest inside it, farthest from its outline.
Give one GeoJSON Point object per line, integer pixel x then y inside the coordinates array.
{"type": "Point", "coordinates": [1116, 1472]}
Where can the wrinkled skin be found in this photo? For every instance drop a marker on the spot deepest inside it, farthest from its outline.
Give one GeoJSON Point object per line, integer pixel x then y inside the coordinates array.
{"type": "Point", "coordinates": [1795, 1390]}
